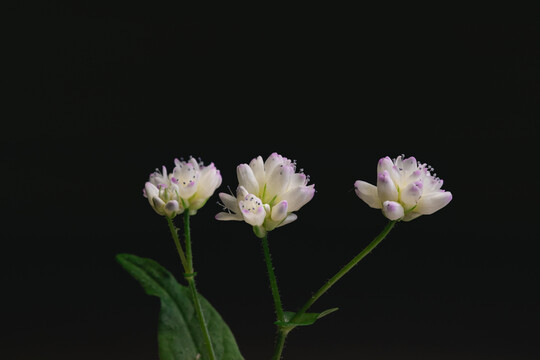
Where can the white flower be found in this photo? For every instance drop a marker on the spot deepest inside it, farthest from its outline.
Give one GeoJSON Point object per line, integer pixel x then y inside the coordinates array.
{"type": "Point", "coordinates": [268, 193]}
{"type": "Point", "coordinates": [405, 189]}
{"type": "Point", "coordinates": [188, 187]}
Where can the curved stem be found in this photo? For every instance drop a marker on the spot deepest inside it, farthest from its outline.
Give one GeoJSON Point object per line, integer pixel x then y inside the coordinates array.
{"type": "Point", "coordinates": [345, 269]}
{"type": "Point", "coordinates": [272, 278]}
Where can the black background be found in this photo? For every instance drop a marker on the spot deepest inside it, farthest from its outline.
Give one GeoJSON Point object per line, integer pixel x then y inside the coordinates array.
{"type": "Point", "coordinates": [99, 96]}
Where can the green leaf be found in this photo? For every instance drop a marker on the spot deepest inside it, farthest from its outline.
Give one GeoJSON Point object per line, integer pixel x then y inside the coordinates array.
{"type": "Point", "coordinates": [179, 334]}
{"type": "Point", "coordinates": [304, 319]}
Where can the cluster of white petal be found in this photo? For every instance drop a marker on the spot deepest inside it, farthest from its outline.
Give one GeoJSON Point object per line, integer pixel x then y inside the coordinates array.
{"type": "Point", "coordinates": [405, 189]}
{"type": "Point", "coordinates": [268, 193]}
{"type": "Point", "coordinates": [188, 187]}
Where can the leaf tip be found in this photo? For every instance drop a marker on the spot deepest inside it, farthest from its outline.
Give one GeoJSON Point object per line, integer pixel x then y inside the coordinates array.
{"type": "Point", "coordinates": [120, 257]}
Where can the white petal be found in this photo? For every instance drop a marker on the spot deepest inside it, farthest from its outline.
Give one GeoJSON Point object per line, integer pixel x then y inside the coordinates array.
{"type": "Point", "coordinates": [216, 182]}
{"type": "Point", "coordinates": [279, 211]}
{"type": "Point", "coordinates": [278, 181]}
{"type": "Point", "coordinates": [270, 224]}
{"type": "Point", "coordinates": [196, 204]}
{"type": "Point", "coordinates": [187, 191]}
{"type": "Point", "coordinates": [207, 172]}
{"type": "Point", "coordinates": [230, 202]}
{"type": "Point", "coordinates": [386, 188]}
{"type": "Point", "coordinates": [399, 161]}
{"type": "Point", "coordinates": [289, 219]}
{"type": "Point", "coordinates": [241, 192]}
{"type": "Point", "coordinates": [432, 184]}
{"type": "Point", "coordinates": [194, 163]}
{"type": "Point", "coordinates": [387, 164]}
{"type": "Point", "coordinates": [393, 210]}
{"type": "Point", "coordinates": [173, 188]}
{"type": "Point", "coordinates": [171, 208]}
{"type": "Point", "coordinates": [298, 179]}
{"type": "Point", "coordinates": [411, 216]}
{"type": "Point", "coordinates": [368, 193]}
{"type": "Point", "coordinates": [409, 165]}
{"type": "Point", "coordinates": [410, 195]}
{"type": "Point", "coordinates": [414, 176]}
{"type": "Point", "coordinates": [158, 205]}
{"type": "Point", "coordinates": [384, 163]}
{"type": "Point", "coordinates": [151, 190]}
{"type": "Point", "coordinates": [187, 178]}
{"type": "Point", "coordinates": [247, 179]}
{"type": "Point", "coordinates": [298, 197]}
{"type": "Point", "coordinates": [209, 181]}
{"type": "Point", "coordinates": [432, 202]}
{"type": "Point", "coordinates": [257, 165]}
{"type": "Point", "coordinates": [272, 161]}
{"type": "Point", "coordinates": [256, 217]}
{"type": "Point", "coordinates": [225, 216]}
{"type": "Point", "coordinates": [158, 178]}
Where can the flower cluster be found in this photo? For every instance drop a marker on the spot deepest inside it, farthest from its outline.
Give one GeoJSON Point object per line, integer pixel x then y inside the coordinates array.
{"type": "Point", "coordinates": [188, 187]}
{"type": "Point", "coordinates": [268, 193]}
{"type": "Point", "coordinates": [406, 189]}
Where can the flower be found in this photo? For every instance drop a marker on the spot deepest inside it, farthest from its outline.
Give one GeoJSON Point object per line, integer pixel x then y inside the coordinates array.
{"type": "Point", "coordinates": [188, 187]}
{"type": "Point", "coordinates": [268, 193]}
{"type": "Point", "coordinates": [405, 189]}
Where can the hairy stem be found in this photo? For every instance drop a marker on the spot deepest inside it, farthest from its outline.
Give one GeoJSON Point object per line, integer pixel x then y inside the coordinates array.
{"type": "Point", "coordinates": [200, 317]}
{"type": "Point", "coordinates": [189, 275]}
{"type": "Point", "coordinates": [345, 269]}
{"type": "Point", "coordinates": [280, 343]}
{"type": "Point", "coordinates": [187, 240]}
{"type": "Point", "coordinates": [272, 278]}
{"type": "Point", "coordinates": [282, 334]}
{"type": "Point", "coordinates": [174, 233]}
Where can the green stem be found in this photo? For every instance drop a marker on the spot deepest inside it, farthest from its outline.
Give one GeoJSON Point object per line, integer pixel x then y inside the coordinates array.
{"type": "Point", "coordinates": [200, 317]}
{"type": "Point", "coordinates": [187, 239]}
{"type": "Point", "coordinates": [272, 278]}
{"type": "Point", "coordinates": [345, 269]}
{"type": "Point", "coordinates": [283, 333]}
{"type": "Point", "coordinates": [189, 275]}
{"type": "Point", "coordinates": [280, 342]}
{"type": "Point", "coordinates": [174, 233]}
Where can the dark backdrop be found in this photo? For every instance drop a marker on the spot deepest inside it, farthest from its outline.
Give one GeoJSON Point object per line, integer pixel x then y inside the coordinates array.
{"type": "Point", "coordinates": [99, 96]}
